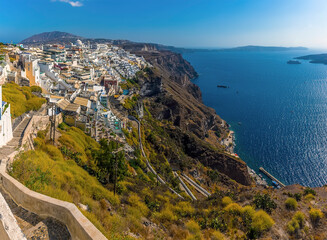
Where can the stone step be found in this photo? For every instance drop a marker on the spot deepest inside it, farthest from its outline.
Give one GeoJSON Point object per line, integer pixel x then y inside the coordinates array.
{"type": "Point", "coordinates": [14, 141]}
{"type": "Point", "coordinates": [4, 152]}
{"type": "Point", "coordinates": [16, 134]}
{"type": "Point", "coordinates": [39, 231]}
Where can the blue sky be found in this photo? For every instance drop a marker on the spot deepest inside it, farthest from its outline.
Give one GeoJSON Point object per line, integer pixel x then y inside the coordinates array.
{"type": "Point", "coordinates": [188, 23]}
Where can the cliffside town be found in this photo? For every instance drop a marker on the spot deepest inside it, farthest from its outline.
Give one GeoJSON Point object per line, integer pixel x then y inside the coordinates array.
{"type": "Point", "coordinates": [118, 132]}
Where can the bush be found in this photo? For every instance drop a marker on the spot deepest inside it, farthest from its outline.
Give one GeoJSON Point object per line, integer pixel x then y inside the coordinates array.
{"type": "Point", "coordinates": [36, 89]}
{"type": "Point", "coordinates": [299, 217]}
{"type": "Point", "coordinates": [193, 227]}
{"type": "Point", "coordinates": [264, 202]}
{"type": "Point", "coordinates": [135, 201]}
{"type": "Point", "coordinates": [309, 197]}
{"type": "Point", "coordinates": [226, 201]}
{"type": "Point", "coordinates": [296, 223]}
{"type": "Point", "coordinates": [233, 208]}
{"type": "Point", "coordinates": [63, 126]}
{"type": "Point", "coordinates": [261, 222]}
{"type": "Point", "coordinates": [308, 191]}
{"type": "Point", "coordinates": [291, 203]}
{"type": "Point", "coordinates": [184, 209]}
{"type": "Point", "coordinates": [216, 235]}
{"type": "Point", "coordinates": [315, 215]}
{"type": "Point", "coordinates": [248, 210]}
{"type": "Point", "coordinates": [166, 215]}
{"type": "Point", "coordinates": [298, 196]}
{"type": "Point", "coordinates": [292, 226]}
{"type": "Point", "coordinates": [247, 215]}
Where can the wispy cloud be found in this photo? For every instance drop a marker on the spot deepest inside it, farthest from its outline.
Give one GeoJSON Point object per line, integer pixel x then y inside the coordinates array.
{"type": "Point", "coordinates": [72, 3]}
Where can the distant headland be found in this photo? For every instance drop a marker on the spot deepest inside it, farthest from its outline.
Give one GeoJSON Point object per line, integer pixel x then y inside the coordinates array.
{"type": "Point", "coordinates": [252, 48]}
{"type": "Point", "coordinates": [315, 58]}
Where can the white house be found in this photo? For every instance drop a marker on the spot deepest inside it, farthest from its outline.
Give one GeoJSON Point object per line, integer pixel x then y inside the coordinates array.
{"type": "Point", "coordinates": [4, 70]}
{"type": "Point", "coordinates": [5, 121]}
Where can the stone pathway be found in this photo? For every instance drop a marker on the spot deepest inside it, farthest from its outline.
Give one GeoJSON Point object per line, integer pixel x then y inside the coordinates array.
{"type": "Point", "coordinates": [14, 143]}
{"type": "Point", "coordinates": [33, 226]}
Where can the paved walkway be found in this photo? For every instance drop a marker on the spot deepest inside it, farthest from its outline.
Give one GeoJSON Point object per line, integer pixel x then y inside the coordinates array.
{"type": "Point", "coordinates": [14, 143]}
{"type": "Point", "coordinates": [33, 226]}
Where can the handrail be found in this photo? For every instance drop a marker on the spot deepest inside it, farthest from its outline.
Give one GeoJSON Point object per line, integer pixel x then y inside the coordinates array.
{"type": "Point", "coordinates": [197, 186]}
{"type": "Point", "coordinates": [188, 191]}
{"type": "Point", "coordinates": [147, 161]}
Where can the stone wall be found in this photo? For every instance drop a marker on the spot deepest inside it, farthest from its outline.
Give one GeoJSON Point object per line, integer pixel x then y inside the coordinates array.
{"type": "Point", "coordinates": [37, 123]}
{"type": "Point", "coordinates": [78, 225]}
{"type": "Point", "coordinates": [9, 229]}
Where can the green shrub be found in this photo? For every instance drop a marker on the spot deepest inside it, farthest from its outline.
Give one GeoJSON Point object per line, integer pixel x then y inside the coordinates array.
{"type": "Point", "coordinates": [193, 227]}
{"type": "Point", "coordinates": [293, 226]}
{"type": "Point", "coordinates": [36, 89]}
{"type": "Point", "coordinates": [166, 215]}
{"type": "Point", "coordinates": [308, 191]}
{"type": "Point", "coordinates": [247, 215]}
{"type": "Point", "coordinates": [63, 126]}
{"type": "Point", "coordinates": [248, 210]}
{"type": "Point", "coordinates": [261, 222]}
{"type": "Point", "coordinates": [184, 209]}
{"type": "Point", "coordinates": [135, 201]}
{"type": "Point", "coordinates": [296, 223]}
{"type": "Point", "coordinates": [216, 235]}
{"type": "Point", "coordinates": [291, 203]}
{"type": "Point", "coordinates": [298, 196]}
{"type": "Point", "coordinates": [309, 197]}
{"type": "Point", "coordinates": [233, 208]}
{"type": "Point", "coordinates": [264, 202]}
{"type": "Point", "coordinates": [226, 201]}
{"type": "Point", "coordinates": [315, 215]}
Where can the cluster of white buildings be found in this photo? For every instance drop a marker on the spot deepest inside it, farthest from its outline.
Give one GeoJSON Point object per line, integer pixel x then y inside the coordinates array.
{"type": "Point", "coordinates": [78, 78]}
{"type": "Point", "coordinates": [5, 122]}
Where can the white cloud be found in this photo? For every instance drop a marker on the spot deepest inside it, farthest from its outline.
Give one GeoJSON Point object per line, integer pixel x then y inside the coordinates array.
{"type": "Point", "coordinates": [72, 3]}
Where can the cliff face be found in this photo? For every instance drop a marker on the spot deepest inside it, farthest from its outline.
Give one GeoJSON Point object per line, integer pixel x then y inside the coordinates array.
{"type": "Point", "coordinates": [217, 160]}
{"type": "Point", "coordinates": [172, 65]}
{"type": "Point", "coordinates": [173, 97]}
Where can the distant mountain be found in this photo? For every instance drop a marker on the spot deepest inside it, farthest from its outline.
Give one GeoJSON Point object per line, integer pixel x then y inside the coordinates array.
{"type": "Point", "coordinates": [315, 58]}
{"type": "Point", "coordinates": [65, 38]}
{"type": "Point", "coordinates": [50, 37]}
{"type": "Point", "coordinates": [251, 48]}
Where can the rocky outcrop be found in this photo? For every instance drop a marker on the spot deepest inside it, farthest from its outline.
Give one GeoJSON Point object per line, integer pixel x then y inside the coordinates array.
{"type": "Point", "coordinates": [208, 156]}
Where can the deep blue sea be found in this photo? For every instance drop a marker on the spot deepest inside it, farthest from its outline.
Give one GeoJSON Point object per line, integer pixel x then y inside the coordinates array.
{"type": "Point", "coordinates": [282, 109]}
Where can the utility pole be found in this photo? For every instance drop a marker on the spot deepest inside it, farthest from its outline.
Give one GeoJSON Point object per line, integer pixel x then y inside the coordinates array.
{"type": "Point", "coordinates": [52, 108]}
{"type": "Point", "coordinates": [115, 180]}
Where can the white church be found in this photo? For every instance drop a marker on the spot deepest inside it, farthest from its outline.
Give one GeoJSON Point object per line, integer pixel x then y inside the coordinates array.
{"type": "Point", "coordinates": [5, 122]}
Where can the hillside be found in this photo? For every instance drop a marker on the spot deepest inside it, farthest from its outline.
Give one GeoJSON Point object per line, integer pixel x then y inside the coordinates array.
{"type": "Point", "coordinates": [22, 99]}
{"type": "Point", "coordinates": [142, 209]}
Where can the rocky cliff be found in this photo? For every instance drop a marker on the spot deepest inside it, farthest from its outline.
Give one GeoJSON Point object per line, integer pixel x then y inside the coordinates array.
{"type": "Point", "coordinates": [173, 97]}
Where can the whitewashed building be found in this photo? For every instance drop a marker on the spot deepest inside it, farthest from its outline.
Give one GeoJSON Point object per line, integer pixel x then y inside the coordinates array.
{"type": "Point", "coordinates": [5, 122]}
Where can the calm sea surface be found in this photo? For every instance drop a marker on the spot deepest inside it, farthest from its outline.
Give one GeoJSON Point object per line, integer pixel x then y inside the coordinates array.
{"type": "Point", "coordinates": [282, 109]}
